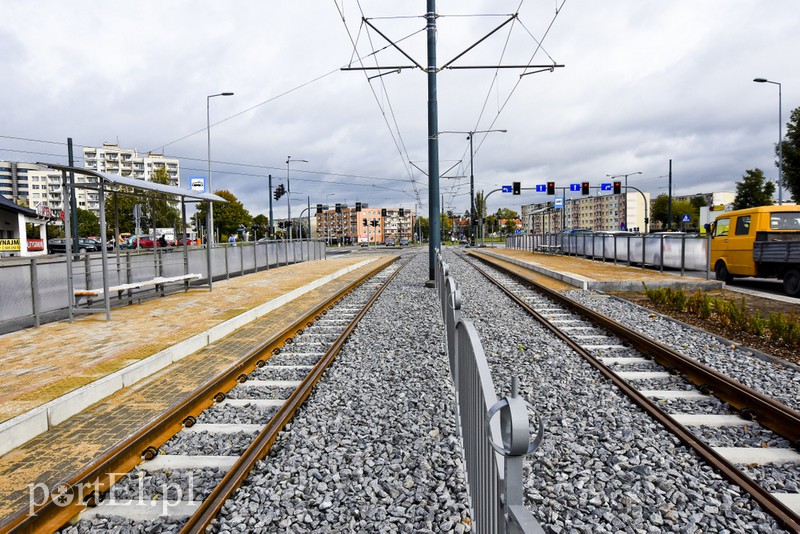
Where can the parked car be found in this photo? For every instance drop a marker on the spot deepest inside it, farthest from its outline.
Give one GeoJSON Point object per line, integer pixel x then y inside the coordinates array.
{"type": "Point", "coordinates": [58, 245]}
{"type": "Point", "coordinates": [389, 243]}
{"type": "Point", "coordinates": [99, 243]}
{"type": "Point", "coordinates": [403, 242]}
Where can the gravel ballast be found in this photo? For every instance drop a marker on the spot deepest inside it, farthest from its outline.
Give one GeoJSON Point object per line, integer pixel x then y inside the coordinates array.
{"type": "Point", "coordinates": [604, 466]}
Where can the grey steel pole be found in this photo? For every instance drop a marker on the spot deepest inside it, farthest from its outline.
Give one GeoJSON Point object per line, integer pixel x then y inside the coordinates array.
{"type": "Point", "coordinates": [780, 136]}
{"type": "Point", "coordinates": [780, 148]}
{"type": "Point", "coordinates": [433, 147]}
{"type": "Point", "coordinates": [669, 204]}
{"type": "Point", "coordinates": [73, 202]}
{"type": "Point", "coordinates": [271, 218]}
{"type": "Point", "coordinates": [471, 193]}
{"type": "Point", "coordinates": [289, 198]}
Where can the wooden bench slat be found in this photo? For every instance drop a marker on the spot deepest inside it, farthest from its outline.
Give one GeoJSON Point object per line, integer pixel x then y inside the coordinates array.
{"type": "Point", "coordinates": [138, 285]}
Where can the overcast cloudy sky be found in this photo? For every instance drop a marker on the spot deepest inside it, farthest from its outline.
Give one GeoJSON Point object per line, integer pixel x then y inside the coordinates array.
{"type": "Point", "coordinates": [642, 83]}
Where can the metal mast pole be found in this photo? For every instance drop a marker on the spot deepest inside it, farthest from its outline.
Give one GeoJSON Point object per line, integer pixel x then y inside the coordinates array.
{"type": "Point", "coordinates": [271, 218]}
{"type": "Point", "coordinates": [433, 146]}
{"type": "Point", "coordinates": [471, 194]}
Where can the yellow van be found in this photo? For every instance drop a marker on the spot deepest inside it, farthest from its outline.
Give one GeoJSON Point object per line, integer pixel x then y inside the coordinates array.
{"type": "Point", "coordinates": [762, 241]}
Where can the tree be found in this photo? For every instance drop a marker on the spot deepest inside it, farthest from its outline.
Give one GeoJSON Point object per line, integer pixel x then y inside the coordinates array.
{"type": "Point", "coordinates": [261, 224]}
{"type": "Point", "coordinates": [227, 216]}
{"type": "Point", "coordinates": [424, 227]}
{"type": "Point", "coordinates": [660, 210]}
{"type": "Point", "coordinates": [753, 190]}
{"type": "Point", "coordinates": [162, 204]}
{"type": "Point", "coordinates": [791, 156]}
{"type": "Point", "coordinates": [88, 223]}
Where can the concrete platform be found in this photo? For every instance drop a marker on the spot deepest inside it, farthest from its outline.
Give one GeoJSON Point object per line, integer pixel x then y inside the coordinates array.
{"type": "Point", "coordinates": [72, 390]}
{"type": "Point", "coordinates": [584, 273]}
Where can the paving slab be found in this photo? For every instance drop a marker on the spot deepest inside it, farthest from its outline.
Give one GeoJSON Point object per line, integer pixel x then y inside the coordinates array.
{"type": "Point", "coordinates": [592, 274]}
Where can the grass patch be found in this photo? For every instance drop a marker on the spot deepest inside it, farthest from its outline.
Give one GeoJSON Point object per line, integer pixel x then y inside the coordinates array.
{"type": "Point", "coordinates": [777, 327]}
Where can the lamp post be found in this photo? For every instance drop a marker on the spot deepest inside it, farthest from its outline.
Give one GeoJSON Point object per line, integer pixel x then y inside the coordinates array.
{"type": "Point", "coordinates": [780, 137]}
{"type": "Point", "coordinates": [470, 135]}
{"type": "Point", "coordinates": [289, 194]}
{"type": "Point", "coordinates": [210, 213]}
{"type": "Point", "coordinates": [612, 176]}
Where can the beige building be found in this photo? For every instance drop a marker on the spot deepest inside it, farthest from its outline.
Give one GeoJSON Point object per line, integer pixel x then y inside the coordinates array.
{"type": "Point", "coordinates": [347, 225]}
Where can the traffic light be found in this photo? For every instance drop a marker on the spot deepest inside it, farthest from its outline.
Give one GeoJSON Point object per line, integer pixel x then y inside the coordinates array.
{"type": "Point", "coordinates": [617, 188]}
{"type": "Point", "coordinates": [383, 212]}
{"type": "Point", "coordinates": [338, 208]}
{"type": "Point", "coordinates": [401, 212]}
{"type": "Point", "coordinates": [358, 206]}
{"type": "Point", "coordinates": [364, 221]}
{"type": "Point", "coordinates": [551, 188]}
{"type": "Point", "coordinates": [516, 188]}
{"type": "Point", "coordinates": [584, 188]}
{"type": "Point", "coordinates": [280, 190]}
{"type": "Point", "coordinates": [319, 209]}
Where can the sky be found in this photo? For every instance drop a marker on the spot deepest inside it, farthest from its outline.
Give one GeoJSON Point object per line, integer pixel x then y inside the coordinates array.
{"type": "Point", "coordinates": [642, 83]}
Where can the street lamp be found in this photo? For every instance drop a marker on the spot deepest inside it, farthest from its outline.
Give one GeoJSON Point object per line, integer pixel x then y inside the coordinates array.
{"type": "Point", "coordinates": [612, 176]}
{"type": "Point", "coordinates": [210, 213]}
{"type": "Point", "coordinates": [470, 135]}
{"type": "Point", "coordinates": [780, 138]}
{"type": "Point", "coordinates": [289, 193]}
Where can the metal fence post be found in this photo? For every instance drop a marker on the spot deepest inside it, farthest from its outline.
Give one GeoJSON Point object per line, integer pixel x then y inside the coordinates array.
{"type": "Point", "coordinates": [35, 293]}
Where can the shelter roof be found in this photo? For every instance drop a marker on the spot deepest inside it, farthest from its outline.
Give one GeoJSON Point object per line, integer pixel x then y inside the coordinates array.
{"type": "Point", "coordinates": [111, 182]}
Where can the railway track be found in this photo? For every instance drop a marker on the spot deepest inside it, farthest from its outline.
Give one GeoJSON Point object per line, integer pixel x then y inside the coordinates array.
{"type": "Point", "coordinates": [188, 462]}
{"type": "Point", "coordinates": [673, 389]}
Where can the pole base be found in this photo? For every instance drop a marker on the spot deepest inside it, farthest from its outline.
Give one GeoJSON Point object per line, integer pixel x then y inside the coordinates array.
{"type": "Point", "coordinates": [430, 283]}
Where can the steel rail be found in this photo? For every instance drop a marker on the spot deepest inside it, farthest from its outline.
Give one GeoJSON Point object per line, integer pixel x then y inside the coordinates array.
{"type": "Point", "coordinates": [262, 444]}
{"type": "Point", "coordinates": [127, 454]}
{"type": "Point", "coordinates": [782, 513]}
{"type": "Point", "coordinates": [750, 403]}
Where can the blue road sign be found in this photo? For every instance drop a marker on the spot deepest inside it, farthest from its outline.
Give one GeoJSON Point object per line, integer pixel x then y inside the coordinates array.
{"type": "Point", "coordinates": [686, 218]}
{"type": "Point", "coordinates": [559, 202]}
{"type": "Point", "coordinates": [574, 187]}
{"type": "Point", "coordinates": [506, 189]}
{"type": "Point", "coordinates": [605, 187]}
{"type": "Point", "coordinates": [541, 188]}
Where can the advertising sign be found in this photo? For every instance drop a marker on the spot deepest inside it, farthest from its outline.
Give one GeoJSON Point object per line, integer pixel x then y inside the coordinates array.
{"type": "Point", "coordinates": [9, 245]}
{"type": "Point", "coordinates": [198, 183]}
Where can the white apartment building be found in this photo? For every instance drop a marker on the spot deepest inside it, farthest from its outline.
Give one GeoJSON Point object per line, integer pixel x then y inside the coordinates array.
{"type": "Point", "coordinates": [112, 159]}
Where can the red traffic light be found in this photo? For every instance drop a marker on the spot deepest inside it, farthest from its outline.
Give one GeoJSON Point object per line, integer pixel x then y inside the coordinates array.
{"type": "Point", "coordinates": [584, 188]}
{"type": "Point", "coordinates": [551, 188]}
{"type": "Point", "coordinates": [617, 188]}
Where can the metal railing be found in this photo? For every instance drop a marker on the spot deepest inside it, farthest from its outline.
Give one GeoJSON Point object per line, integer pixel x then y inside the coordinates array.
{"type": "Point", "coordinates": [34, 289]}
{"type": "Point", "coordinates": [494, 447]}
{"type": "Point", "coordinates": [657, 251]}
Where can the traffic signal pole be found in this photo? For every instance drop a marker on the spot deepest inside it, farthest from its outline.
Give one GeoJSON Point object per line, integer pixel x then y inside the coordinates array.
{"type": "Point", "coordinates": [271, 218]}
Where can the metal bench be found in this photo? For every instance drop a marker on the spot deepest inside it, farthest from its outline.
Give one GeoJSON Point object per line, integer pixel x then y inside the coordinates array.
{"type": "Point", "coordinates": [157, 282]}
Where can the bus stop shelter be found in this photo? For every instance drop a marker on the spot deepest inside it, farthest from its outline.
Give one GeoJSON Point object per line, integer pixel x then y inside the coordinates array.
{"type": "Point", "coordinates": [115, 184]}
